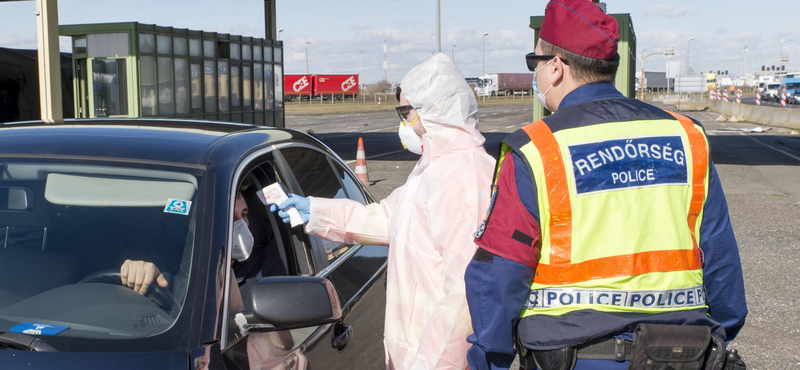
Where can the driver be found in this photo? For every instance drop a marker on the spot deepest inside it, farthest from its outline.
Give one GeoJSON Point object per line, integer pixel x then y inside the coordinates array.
{"type": "Point", "coordinates": [139, 275]}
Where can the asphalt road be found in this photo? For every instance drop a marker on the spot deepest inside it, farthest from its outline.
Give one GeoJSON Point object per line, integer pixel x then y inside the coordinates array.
{"type": "Point", "coordinates": [760, 173]}
{"type": "Point", "coordinates": [751, 100]}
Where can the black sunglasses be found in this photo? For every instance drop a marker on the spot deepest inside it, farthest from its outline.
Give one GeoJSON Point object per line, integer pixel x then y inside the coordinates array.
{"type": "Point", "coordinates": [533, 59]}
{"type": "Point", "coordinates": [403, 111]}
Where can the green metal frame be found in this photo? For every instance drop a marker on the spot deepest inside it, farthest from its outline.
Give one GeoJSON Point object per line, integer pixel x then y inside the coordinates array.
{"type": "Point", "coordinates": [273, 116]}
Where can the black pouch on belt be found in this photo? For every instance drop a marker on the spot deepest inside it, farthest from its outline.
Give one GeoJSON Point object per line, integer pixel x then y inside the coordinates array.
{"type": "Point", "coordinates": [666, 347]}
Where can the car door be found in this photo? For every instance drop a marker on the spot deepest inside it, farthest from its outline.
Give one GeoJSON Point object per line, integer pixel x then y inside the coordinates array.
{"type": "Point", "coordinates": [357, 271]}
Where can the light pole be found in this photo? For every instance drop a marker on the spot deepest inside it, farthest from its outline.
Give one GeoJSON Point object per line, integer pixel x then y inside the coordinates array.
{"type": "Point", "coordinates": [483, 51]}
{"type": "Point", "coordinates": [361, 77]}
{"type": "Point", "coordinates": [438, 27]}
{"type": "Point", "coordinates": [279, 33]}
{"type": "Point", "coordinates": [688, 44]}
{"type": "Point", "coordinates": [641, 78]}
{"type": "Point", "coordinates": [307, 43]}
{"type": "Point", "coordinates": [454, 53]}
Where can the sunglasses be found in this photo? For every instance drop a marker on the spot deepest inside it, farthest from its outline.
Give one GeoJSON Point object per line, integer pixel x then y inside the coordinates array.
{"type": "Point", "coordinates": [533, 59]}
{"type": "Point", "coordinates": [403, 111]}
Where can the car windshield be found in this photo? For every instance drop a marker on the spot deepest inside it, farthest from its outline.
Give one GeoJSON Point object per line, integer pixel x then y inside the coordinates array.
{"type": "Point", "coordinates": [66, 228]}
{"type": "Point", "coordinates": [795, 85]}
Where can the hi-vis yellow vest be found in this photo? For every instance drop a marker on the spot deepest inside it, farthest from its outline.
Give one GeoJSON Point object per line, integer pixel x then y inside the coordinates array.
{"type": "Point", "coordinates": [620, 212]}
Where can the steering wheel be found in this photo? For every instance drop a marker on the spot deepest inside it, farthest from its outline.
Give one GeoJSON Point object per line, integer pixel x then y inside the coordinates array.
{"type": "Point", "coordinates": [162, 297]}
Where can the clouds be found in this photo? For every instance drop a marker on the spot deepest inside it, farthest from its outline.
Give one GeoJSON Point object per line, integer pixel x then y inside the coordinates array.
{"type": "Point", "coordinates": [666, 10]}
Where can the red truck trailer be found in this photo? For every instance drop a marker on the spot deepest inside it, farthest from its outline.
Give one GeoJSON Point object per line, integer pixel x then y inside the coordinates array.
{"type": "Point", "coordinates": [336, 85]}
{"type": "Point", "coordinates": [298, 85]}
{"type": "Point", "coordinates": [505, 84]}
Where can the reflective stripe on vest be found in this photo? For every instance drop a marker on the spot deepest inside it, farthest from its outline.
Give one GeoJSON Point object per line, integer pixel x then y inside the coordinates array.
{"type": "Point", "coordinates": [632, 267]}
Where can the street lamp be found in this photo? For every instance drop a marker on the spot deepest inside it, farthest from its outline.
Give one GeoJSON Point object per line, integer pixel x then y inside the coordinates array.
{"type": "Point", "coordinates": [454, 53]}
{"type": "Point", "coordinates": [483, 51]}
{"type": "Point", "coordinates": [307, 43]}
{"type": "Point", "coordinates": [279, 33]}
{"type": "Point", "coordinates": [688, 44]}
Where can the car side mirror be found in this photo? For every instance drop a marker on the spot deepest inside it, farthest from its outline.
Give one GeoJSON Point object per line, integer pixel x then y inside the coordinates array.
{"type": "Point", "coordinates": [291, 302]}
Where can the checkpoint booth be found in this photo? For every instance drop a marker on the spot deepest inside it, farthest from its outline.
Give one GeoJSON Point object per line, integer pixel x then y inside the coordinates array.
{"type": "Point", "coordinates": [133, 70]}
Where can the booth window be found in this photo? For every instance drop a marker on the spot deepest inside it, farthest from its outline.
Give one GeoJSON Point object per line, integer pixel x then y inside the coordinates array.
{"type": "Point", "coordinates": [197, 86]}
{"type": "Point", "coordinates": [235, 88]}
{"type": "Point", "coordinates": [164, 44]}
{"type": "Point", "coordinates": [147, 43]}
{"type": "Point", "coordinates": [257, 53]}
{"type": "Point", "coordinates": [210, 84]}
{"type": "Point", "coordinates": [179, 46]}
{"type": "Point", "coordinates": [195, 47]}
{"type": "Point", "coordinates": [80, 45]}
{"type": "Point", "coordinates": [181, 86]}
{"type": "Point", "coordinates": [269, 86]}
{"type": "Point", "coordinates": [278, 86]}
{"type": "Point", "coordinates": [209, 48]}
{"type": "Point", "coordinates": [110, 88]}
{"type": "Point", "coordinates": [147, 79]}
{"type": "Point", "coordinates": [246, 90]}
{"type": "Point", "coordinates": [165, 104]}
{"type": "Point", "coordinates": [236, 51]}
{"type": "Point", "coordinates": [258, 86]}
{"type": "Point", "coordinates": [267, 54]}
{"type": "Point", "coordinates": [224, 93]}
{"type": "Point", "coordinates": [278, 55]}
{"type": "Point", "coordinates": [247, 52]}
{"type": "Point", "coordinates": [103, 45]}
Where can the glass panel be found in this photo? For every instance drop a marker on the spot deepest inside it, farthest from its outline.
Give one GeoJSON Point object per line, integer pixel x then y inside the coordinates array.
{"type": "Point", "coordinates": [246, 87]}
{"type": "Point", "coordinates": [197, 89]}
{"type": "Point", "coordinates": [147, 43]}
{"type": "Point", "coordinates": [267, 54]}
{"type": "Point", "coordinates": [181, 86]}
{"type": "Point", "coordinates": [108, 45]}
{"type": "Point", "coordinates": [147, 80]}
{"type": "Point", "coordinates": [235, 87]}
{"type": "Point", "coordinates": [350, 185]}
{"type": "Point", "coordinates": [236, 50]}
{"type": "Point", "coordinates": [258, 86]}
{"type": "Point", "coordinates": [278, 87]}
{"type": "Point", "coordinates": [209, 48]}
{"type": "Point", "coordinates": [317, 179]}
{"type": "Point", "coordinates": [180, 46]}
{"type": "Point", "coordinates": [210, 84]}
{"type": "Point", "coordinates": [165, 102]}
{"type": "Point", "coordinates": [110, 87]}
{"type": "Point", "coordinates": [247, 52]}
{"type": "Point", "coordinates": [195, 47]}
{"type": "Point", "coordinates": [278, 55]}
{"type": "Point", "coordinates": [164, 44]}
{"type": "Point", "coordinates": [269, 86]}
{"type": "Point", "coordinates": [224, 92]}
{"type": "Point", "coordinates": [80, 45]}
{"type": "Point", "coordinates": [257, 53]}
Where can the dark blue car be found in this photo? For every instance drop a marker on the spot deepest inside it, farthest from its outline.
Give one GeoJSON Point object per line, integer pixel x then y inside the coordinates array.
{"type": "Point", "coordinates": [79, 199]}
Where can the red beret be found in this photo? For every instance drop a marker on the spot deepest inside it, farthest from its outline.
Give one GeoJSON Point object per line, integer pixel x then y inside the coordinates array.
{"type": "Point", "coordinates": [581, 27]}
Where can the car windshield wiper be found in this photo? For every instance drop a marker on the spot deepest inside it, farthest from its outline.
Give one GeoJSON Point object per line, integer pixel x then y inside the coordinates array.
{"type": "Point", "coordinates": [24, 342]}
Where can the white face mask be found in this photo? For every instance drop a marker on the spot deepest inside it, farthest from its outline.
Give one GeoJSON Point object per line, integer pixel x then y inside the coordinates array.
{"type": "Point", "coordinates": [242, 241]}
{"type": "Point", "coordinates": [409, 137]}
{"type": "Point", "coordinates": [539, 95]}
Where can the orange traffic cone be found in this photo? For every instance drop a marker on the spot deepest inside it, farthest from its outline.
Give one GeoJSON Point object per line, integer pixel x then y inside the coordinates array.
{"type": "Point", "coordinates": [361, 163]}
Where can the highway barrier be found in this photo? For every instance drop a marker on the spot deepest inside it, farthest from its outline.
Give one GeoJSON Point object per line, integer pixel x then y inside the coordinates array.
{"type": "Point", "coordinates": [781, 117]}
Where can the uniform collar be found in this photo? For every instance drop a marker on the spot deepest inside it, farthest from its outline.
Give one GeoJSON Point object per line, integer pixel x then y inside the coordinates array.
{"type": "Point", "coordinates": [593, 91]}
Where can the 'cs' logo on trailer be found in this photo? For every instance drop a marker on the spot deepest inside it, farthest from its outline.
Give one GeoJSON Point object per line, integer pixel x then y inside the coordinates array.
{"type": "Point", "coordinates": [349, 83]}
{"type": "Point", "coordinates": [300, 84]}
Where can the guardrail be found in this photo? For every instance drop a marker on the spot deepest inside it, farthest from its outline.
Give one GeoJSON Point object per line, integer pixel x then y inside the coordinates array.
{"type": "Point", "coordinates": [781, 117]}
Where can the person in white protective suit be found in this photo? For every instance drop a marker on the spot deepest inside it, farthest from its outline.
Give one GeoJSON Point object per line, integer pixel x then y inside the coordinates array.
{"type": "Point", "coordinates": [428, 222]}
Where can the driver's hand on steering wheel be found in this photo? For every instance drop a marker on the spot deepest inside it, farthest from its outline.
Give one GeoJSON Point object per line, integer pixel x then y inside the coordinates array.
{"type": "Point", "coordinates": [138, 275]}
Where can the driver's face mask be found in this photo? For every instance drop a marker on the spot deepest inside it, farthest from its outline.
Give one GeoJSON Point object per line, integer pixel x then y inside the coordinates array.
{"type": "Point", "coordinates": [242, 241]}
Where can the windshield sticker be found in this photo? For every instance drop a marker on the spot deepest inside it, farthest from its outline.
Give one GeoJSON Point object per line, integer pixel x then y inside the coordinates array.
{"type": "Point", "coordinates": [32, 328]}
{"type": "Point", "coordinates": [180, 207]}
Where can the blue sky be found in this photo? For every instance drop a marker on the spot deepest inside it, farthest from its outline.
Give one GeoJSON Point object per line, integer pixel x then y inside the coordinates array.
{"type": "Point", "coordinates": [340, 30]}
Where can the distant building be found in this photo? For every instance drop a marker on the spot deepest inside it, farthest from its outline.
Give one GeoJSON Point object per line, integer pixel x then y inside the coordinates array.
{"type": "Point", "coordinates": [141, 70]}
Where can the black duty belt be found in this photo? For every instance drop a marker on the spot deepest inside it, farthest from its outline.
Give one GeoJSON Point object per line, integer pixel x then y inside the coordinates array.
{"type": "Point", "coordinates": [617, 349]}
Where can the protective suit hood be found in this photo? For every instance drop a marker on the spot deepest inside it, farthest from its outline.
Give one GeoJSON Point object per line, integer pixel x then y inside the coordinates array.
{"type": "Point", "coordinates": [446, 106]}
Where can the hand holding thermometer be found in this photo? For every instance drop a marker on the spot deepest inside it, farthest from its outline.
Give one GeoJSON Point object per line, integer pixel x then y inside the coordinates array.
{"type": "Point", "coordinates": [275, 194]}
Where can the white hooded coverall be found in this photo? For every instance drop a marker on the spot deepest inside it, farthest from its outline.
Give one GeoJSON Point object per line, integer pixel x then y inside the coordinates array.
{"type": "Point", "coordinates": [428, 223]}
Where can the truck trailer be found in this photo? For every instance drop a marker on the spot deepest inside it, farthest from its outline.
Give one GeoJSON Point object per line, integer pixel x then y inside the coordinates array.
{"type": "Point", "coordinates": [312, 85]}
{"type": "Point", "coordinates": [502, 84]}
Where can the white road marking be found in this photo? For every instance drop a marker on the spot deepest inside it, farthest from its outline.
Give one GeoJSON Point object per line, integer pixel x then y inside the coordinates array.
{"type": "Point", "coordinates": [491, 130]}
{"type": "Point", "coordinates": [377, 129]}
{"type": "Point", "coordinates": [495, 113]}
{"type": "Point", "coordinates": [510, 126]}
{"type": "Point", "coordinates": [378, 155]}
{"type": "Point", "coordinates": [771, 147]}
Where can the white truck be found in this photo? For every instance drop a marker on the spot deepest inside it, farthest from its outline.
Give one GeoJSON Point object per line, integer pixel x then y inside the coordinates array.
{"type": "Point", "coordinates": [502, 84]}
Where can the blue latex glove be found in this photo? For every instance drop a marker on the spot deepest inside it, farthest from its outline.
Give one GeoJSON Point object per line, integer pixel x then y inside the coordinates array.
{"type": "Point", "coordinates": [302, 204]}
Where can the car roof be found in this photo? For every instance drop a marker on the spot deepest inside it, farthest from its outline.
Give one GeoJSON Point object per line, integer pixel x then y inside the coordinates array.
{"type": "Point", "coordinates": [140, 140]}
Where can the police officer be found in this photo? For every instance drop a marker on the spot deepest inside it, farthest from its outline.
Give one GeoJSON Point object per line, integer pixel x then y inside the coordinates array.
{"type": "Point", "coordinates": [605, 216]}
